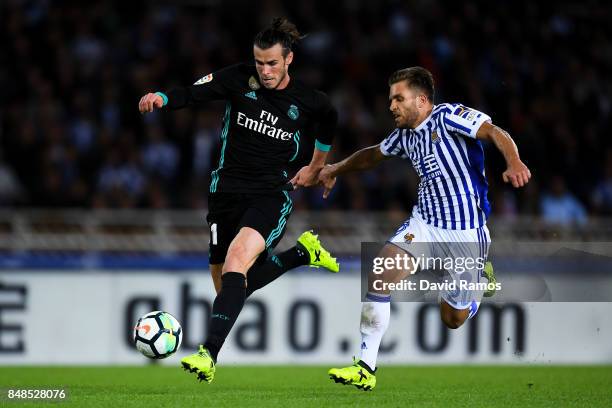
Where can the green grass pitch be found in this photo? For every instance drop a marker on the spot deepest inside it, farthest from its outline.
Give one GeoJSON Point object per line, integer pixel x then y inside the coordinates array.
{"type": "Point", "coordinates": [295, 386]}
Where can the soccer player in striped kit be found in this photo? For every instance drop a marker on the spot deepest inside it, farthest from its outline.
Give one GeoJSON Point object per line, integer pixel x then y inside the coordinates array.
{"type": "Point", "coordinates": [443, 142]}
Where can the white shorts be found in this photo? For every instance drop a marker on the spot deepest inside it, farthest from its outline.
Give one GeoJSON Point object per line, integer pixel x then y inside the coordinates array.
{"type": "Point", "coordinates": [451, 249]}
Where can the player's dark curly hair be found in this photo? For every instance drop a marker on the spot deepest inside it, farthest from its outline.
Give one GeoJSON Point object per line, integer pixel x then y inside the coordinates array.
{"type": "Point", "coordinates": [416, 77]}
{"type": "Point", "coordinates": [282, 32]}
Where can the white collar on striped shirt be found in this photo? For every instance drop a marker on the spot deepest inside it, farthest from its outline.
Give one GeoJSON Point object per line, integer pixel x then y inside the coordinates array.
{"type": "Point", "coordinates": [424, 122]}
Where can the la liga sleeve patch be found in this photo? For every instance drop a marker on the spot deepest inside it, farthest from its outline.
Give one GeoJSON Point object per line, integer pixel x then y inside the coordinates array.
{"type": "Point", "coordinates": [204, 79]}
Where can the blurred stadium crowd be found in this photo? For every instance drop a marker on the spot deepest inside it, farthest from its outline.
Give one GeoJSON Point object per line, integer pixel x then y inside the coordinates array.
{"type": "Point", "coordinates": [73, 72]}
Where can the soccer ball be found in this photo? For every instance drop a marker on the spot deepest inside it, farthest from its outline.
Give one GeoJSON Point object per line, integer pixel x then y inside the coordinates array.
{"type": "Point", "coordinates": [157, 335]}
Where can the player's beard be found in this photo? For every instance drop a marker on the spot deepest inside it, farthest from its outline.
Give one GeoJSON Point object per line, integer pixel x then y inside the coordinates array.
{"type": "Point", "coordinates": [407, 117]}
{"type": "Point", "coordinates": [412, 116]}
{"type": "Point", "coordinates": [281, 79]}
{"type": "Point", "coordinates": [406, 121]}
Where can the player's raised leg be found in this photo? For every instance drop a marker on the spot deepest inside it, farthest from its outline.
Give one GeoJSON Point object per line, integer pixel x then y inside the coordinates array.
{"type": "Point", "coordinates": [375, 315]}
{"type": "Point", "coordinates": [308, 250]}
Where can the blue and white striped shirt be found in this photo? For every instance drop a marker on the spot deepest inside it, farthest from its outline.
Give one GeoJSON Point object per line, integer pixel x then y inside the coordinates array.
{"type": "Point", "coordinates": [449, 160]}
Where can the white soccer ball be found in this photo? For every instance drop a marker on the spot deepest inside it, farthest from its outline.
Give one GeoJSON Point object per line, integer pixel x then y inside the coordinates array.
{"type": "Point", "coordinates": [157, 335]}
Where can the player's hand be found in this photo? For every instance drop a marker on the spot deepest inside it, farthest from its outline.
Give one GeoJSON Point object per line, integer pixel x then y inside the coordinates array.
{"type": "Point", "coordinates": [149, 102]}
{"type": "Point", "coordinates": [326, 178]}
{"type": "Point", "coordinates": [306, 177]}
{"type": "Point", "coordinates": [517, 173]}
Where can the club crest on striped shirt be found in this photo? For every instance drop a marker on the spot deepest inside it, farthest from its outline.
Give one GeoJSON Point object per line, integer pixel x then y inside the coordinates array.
{"type": "Point", "coordinates": [434, 137]}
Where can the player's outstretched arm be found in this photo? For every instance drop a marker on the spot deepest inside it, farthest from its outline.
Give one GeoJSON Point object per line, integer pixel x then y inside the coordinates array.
{"type": "Point", "coordinates": [211, 87]}
{"type": "Point", "coordinates": [363, 159]}
{"type": "Point", "coordinates": [516, 172]}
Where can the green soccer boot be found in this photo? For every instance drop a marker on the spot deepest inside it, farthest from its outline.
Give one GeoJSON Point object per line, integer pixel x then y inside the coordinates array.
{"type": "Point", "coordinates": [319, 256]}
{"type": "Point", "coordinates": [358, 375]}
{"type": "Point", "coordinates": [200, 363]}
{"type": "Point", "coordinates": [488, 273]}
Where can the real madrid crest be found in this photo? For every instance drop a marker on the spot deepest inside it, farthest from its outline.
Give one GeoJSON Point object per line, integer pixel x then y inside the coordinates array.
{"type": "Point", "coordinates": [293, 112]}
{"type": "Point", "coordinates": [254, 83]}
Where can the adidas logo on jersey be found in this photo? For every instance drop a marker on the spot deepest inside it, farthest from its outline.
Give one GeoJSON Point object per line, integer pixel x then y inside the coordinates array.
{"type": "Point", "coordinates": [251, 95]}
